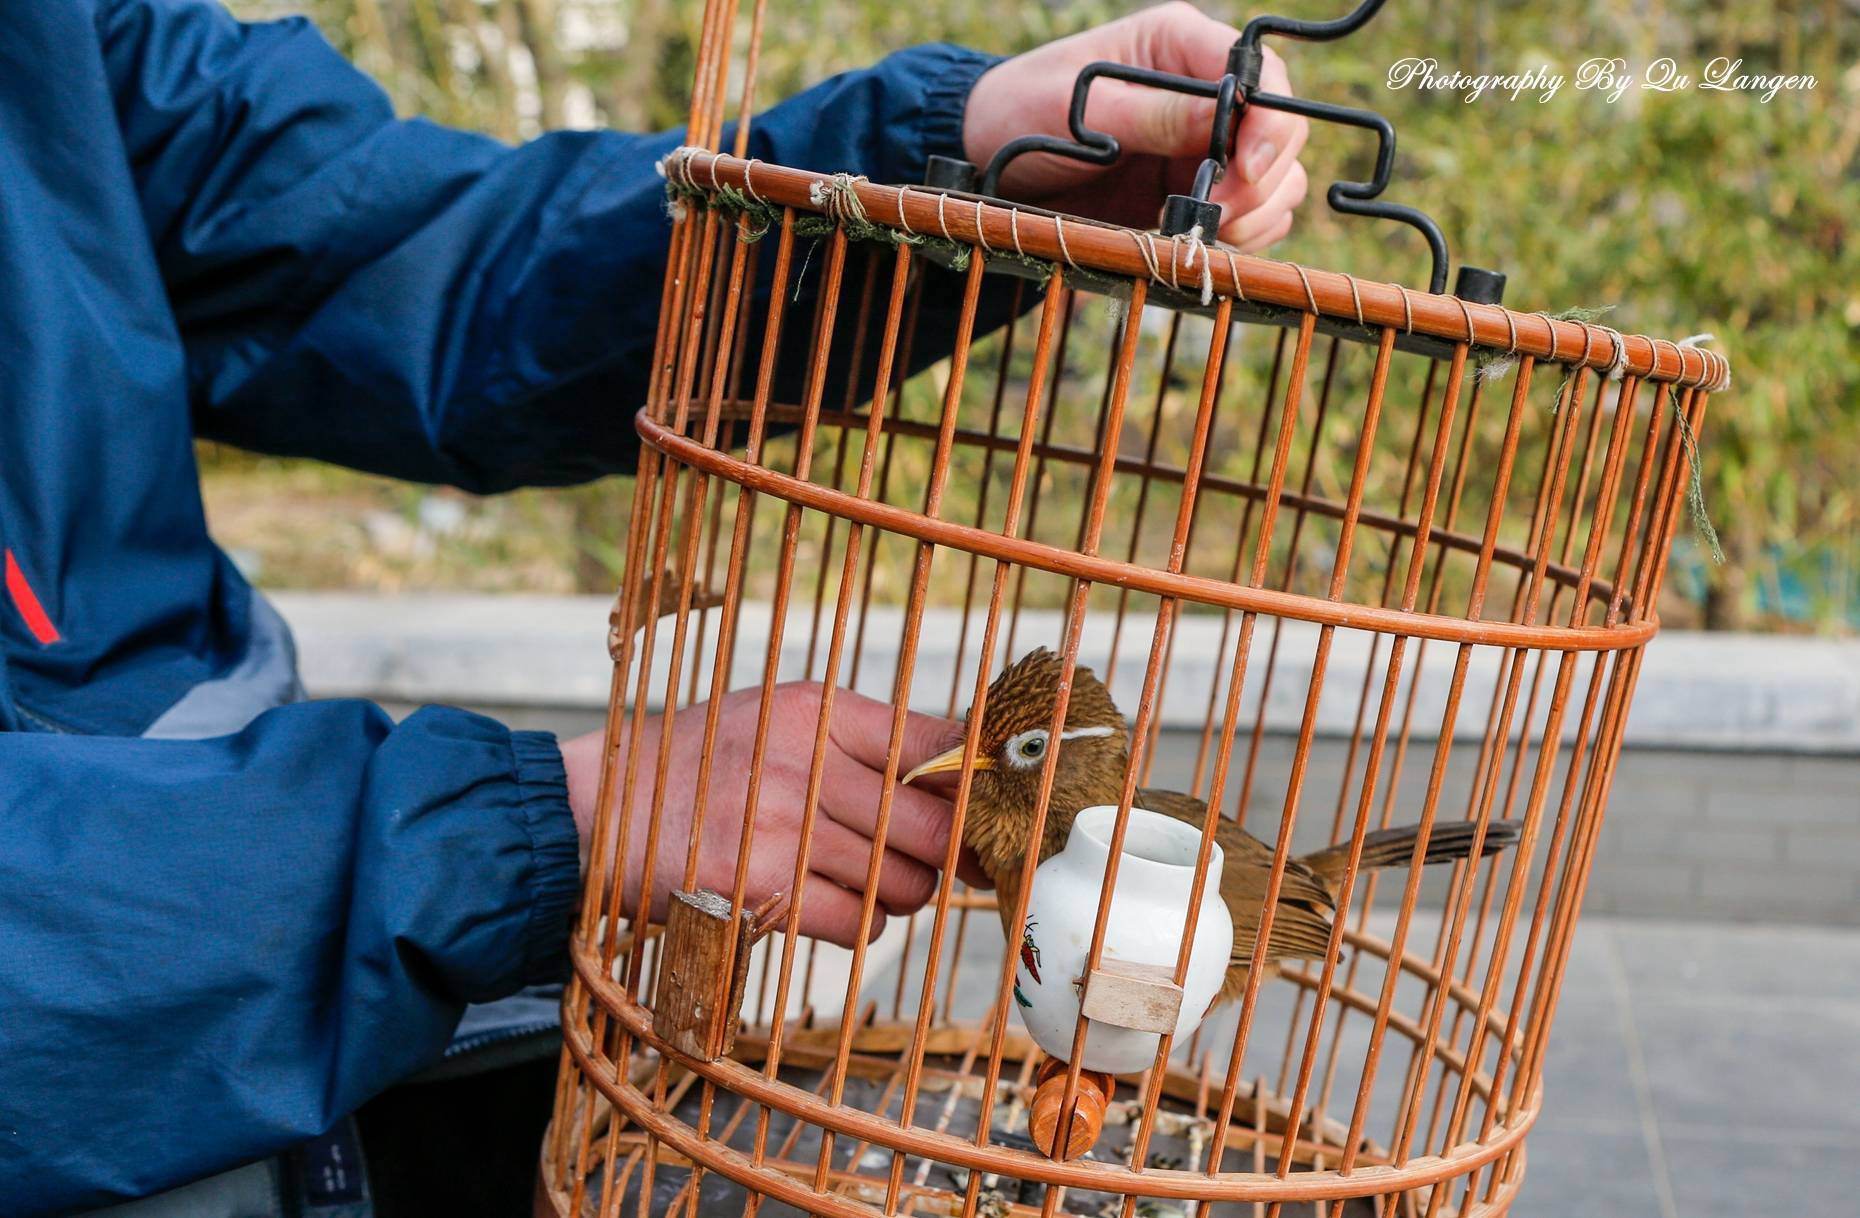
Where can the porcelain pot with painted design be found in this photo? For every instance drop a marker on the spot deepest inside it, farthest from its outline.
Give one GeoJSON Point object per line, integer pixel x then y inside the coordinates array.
{"type": "Point", "coordinates": [1149, 910]}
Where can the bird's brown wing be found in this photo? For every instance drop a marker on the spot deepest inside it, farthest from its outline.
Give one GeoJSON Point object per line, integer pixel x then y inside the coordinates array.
{"type": "Point", "coordinates": [1172, 803]}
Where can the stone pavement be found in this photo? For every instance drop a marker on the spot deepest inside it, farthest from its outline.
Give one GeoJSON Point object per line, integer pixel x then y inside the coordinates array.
{"type": "Point", "coordinates": [1700, 1069]}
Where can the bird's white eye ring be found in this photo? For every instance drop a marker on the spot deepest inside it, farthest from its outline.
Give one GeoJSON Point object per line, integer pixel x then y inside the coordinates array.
{"type": "Point", "coordinates": [1024, 751]}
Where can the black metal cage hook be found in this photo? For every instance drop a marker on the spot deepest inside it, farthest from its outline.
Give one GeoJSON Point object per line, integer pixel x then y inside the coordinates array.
{"type": "Point", "coordinates": [1237, 89]}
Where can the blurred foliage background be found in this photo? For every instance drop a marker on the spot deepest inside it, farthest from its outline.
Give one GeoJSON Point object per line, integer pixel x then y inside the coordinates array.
{"type": "Point", "coordinates": [1686, 212]}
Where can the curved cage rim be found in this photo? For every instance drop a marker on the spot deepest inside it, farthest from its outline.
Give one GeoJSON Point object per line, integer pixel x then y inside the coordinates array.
{"type": "Point", "coordinates": [1196, 271]}
{"type": "Point", "coordinates": [1601, 590]}
{"type": "Point", "coordinates": [729, 1075]}
{"type": "Point", "coordinates": [1102, 569]}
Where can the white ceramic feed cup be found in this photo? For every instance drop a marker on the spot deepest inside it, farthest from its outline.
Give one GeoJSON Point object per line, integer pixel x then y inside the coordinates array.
{"type": "Point", "coordinates": [1149, 909]}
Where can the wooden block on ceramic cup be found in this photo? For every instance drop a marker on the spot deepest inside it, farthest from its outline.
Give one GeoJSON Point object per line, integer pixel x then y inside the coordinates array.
{"type": "Point", "coordinates": [700, 998]}
{"type": "Point", "coordinates": [1141, 997]}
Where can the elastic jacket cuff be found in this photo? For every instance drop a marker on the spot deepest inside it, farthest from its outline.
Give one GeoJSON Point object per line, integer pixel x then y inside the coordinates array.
{"type": "Point", "coordinates": [555, 853]}
{"type": "Point", "coordinates": [949, 74]}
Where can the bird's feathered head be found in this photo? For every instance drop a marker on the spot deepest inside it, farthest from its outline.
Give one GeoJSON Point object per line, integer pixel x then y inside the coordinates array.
{"type": "Point", "coordinates": [1015, 737]}
{"type": "Point", "coordinates": [1018, 713]}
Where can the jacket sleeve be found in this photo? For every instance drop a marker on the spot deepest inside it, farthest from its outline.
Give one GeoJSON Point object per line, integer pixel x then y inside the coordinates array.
{"type": "Point", "coordinates": [424, 302]}
{"type": "Point", "coordinates": [211, 950]}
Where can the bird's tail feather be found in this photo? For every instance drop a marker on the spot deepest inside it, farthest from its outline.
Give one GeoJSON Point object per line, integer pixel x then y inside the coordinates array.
{"type": "Point", "coordinates": [1394, 847]}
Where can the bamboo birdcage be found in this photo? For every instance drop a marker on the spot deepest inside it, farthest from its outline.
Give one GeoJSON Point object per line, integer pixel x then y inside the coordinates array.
{"type": "Point", "coordinates": [1348, 553]}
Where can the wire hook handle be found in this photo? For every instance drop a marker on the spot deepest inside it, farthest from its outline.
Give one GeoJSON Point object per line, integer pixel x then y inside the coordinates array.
{"type": "Point", "coordinates": [1237, 89]}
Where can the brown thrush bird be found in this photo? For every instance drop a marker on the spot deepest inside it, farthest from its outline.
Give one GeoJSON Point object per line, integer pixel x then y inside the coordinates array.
{"type": "Point", "coordinates": [1094, 751]}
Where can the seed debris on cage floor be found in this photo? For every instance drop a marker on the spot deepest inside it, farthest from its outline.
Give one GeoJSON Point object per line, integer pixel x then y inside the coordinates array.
{"type": "Point", "coordinates": [939, 1187]}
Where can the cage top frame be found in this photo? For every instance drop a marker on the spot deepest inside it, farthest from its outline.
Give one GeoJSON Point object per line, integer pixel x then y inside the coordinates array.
{"type": "Point", "coordinates": [1189, 272]}
{"type": "Point", "coordinates": [1182, 273]}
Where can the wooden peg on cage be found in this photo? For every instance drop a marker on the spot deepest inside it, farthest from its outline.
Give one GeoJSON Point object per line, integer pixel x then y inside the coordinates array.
{"type": "Point", "coordinates": [667, 603]}
{"type": "Point", "coordinates": [1045, 1116]}
{"type": "Point", "coordinates": [702, 979]}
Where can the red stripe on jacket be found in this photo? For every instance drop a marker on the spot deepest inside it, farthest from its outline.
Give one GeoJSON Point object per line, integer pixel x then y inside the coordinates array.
{"type": "Point", "coordinates": [28, 604]}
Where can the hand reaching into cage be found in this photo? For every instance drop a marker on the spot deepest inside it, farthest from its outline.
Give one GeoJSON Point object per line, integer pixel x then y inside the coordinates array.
{"type": "Point", "coordinates": [845, 823]}
{"type": "Point", "coordinates": [1164, 135]}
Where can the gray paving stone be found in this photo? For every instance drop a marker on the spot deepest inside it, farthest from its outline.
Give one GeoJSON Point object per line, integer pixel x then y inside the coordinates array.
{"type": "Point", "coordinates": [1588, 974]}
{"type": "Point", "coordinates": [1766, 1064]}
{"type": "Point", "coordinates": [1587, 1078]}
{"type": "Point", "coordinates": [1730, 1175]}
{"type": "Point", "coordinates": [1704, 960]}
{"type": "Point", "coordinates": [1581, 1170]}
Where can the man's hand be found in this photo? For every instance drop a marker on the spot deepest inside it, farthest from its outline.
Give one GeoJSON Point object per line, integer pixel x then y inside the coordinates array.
{"type": "Point", "coordinates": [1164, 135]}
{"type": "Point", "coordinates": [845, 823]}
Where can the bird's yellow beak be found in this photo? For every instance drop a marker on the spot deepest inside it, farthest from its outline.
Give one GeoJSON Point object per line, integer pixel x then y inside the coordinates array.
{"type": "Point", "coordinates": [944, 762]}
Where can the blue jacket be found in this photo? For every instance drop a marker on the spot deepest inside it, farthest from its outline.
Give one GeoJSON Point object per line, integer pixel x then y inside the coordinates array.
{"type": "Point", "coordinates": [213, 945]}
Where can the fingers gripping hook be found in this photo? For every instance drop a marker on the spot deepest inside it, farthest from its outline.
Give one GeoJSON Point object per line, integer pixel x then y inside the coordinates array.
{"type": "Point", "coordinates": [1181, 212]}
{"type": "Point", "coordinates": [1237, 89]}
